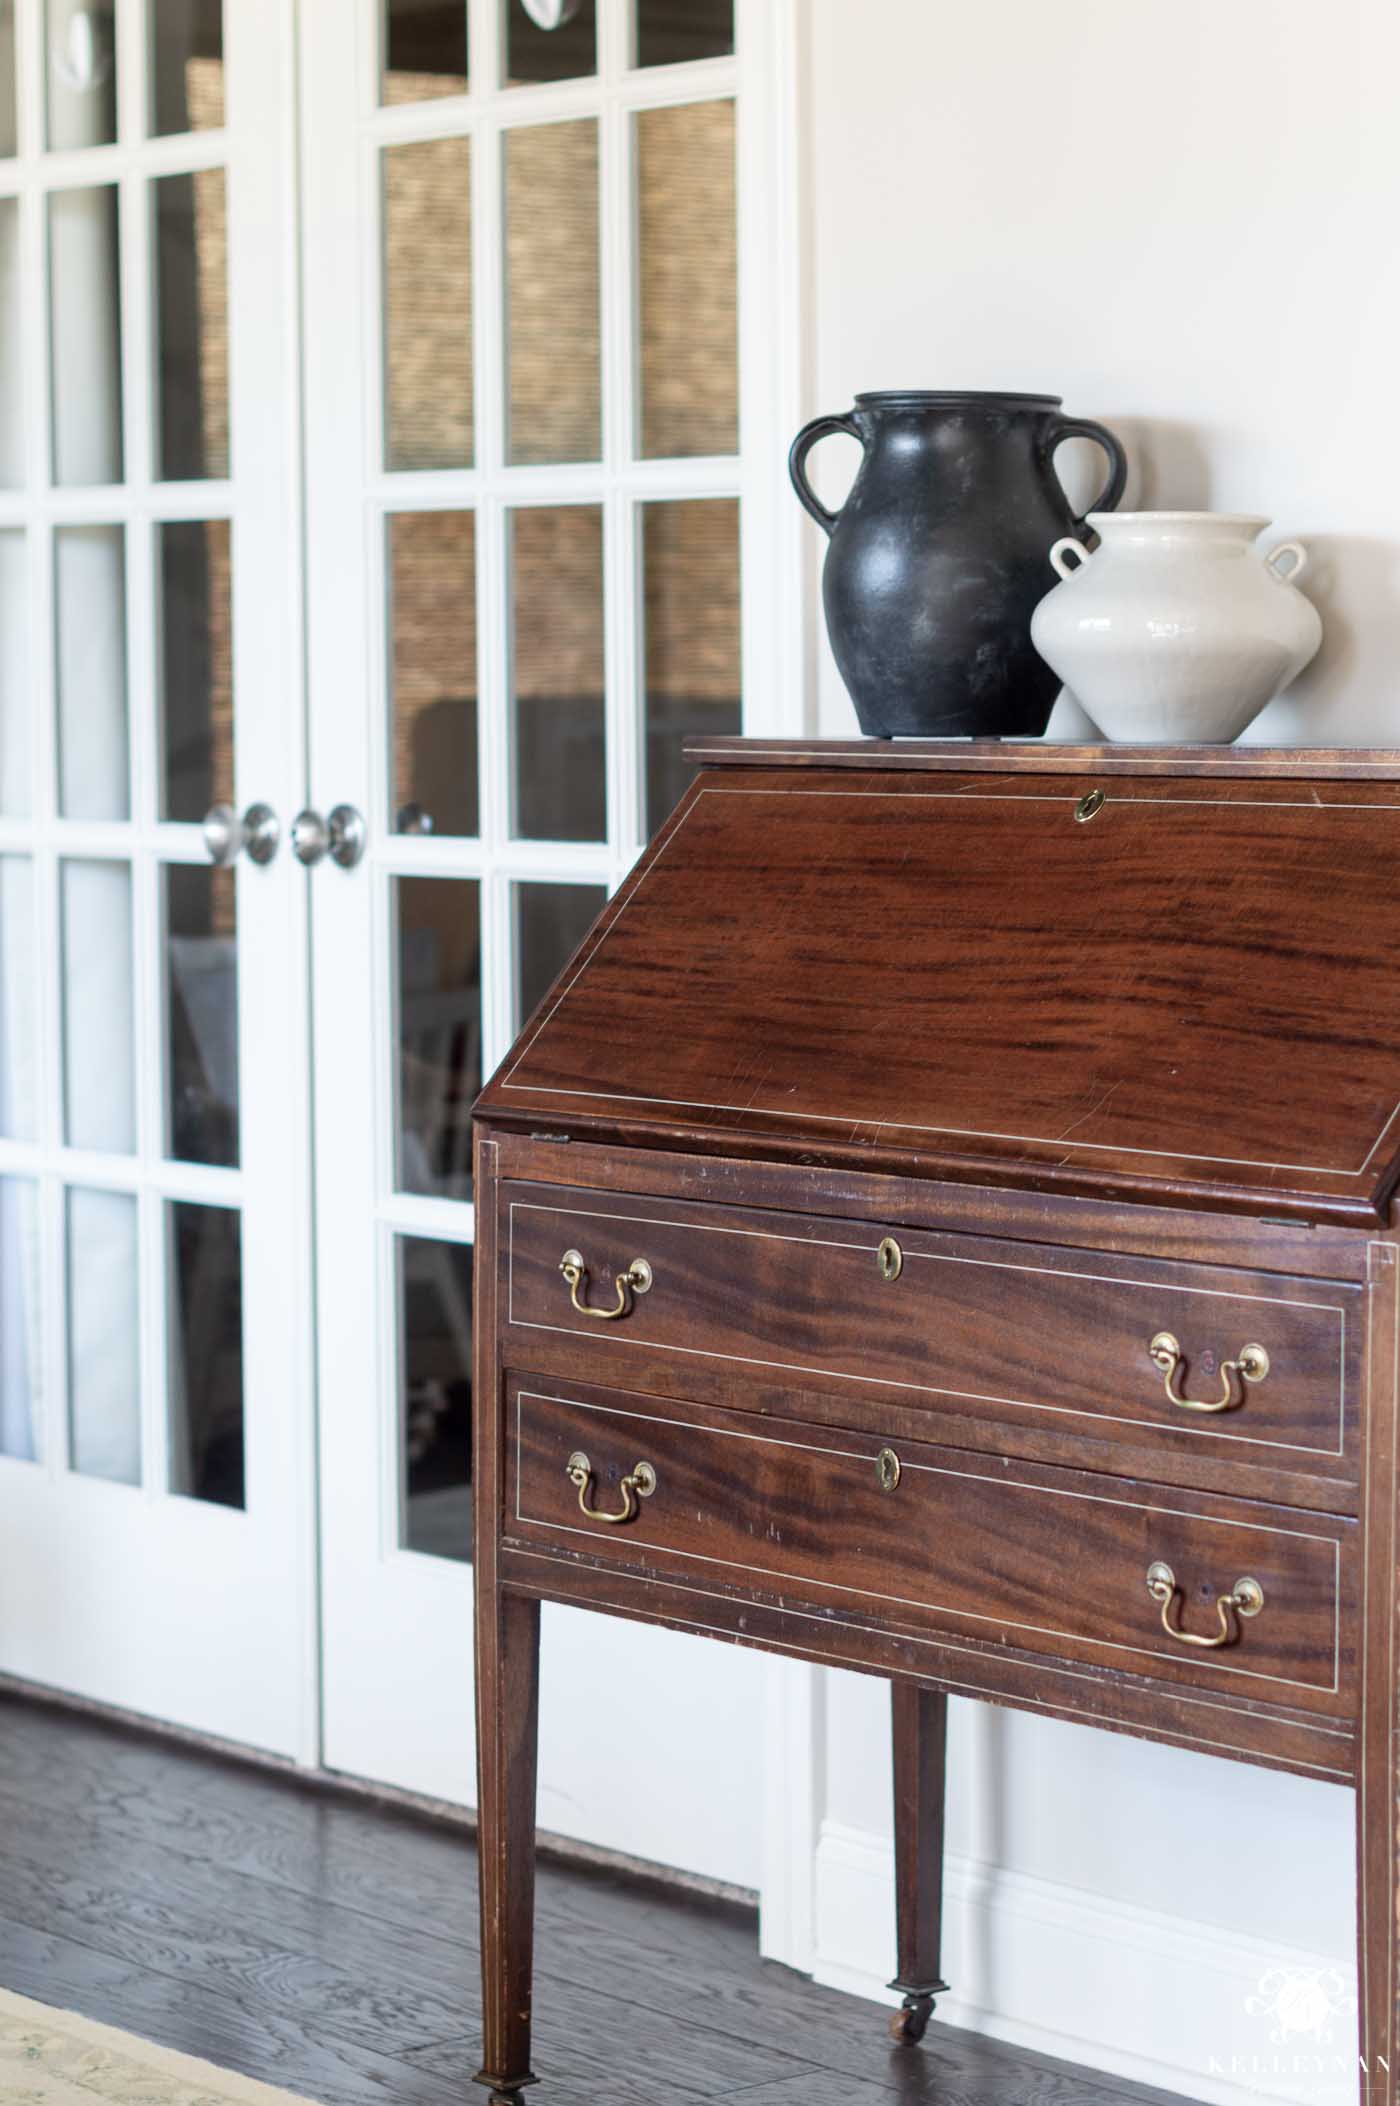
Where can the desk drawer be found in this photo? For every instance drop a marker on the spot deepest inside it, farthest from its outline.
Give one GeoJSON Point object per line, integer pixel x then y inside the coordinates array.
{"type": "Point", "coordinates": [1059, 1340]}
{"type": "Point", "coordinates": [1049, 1562]}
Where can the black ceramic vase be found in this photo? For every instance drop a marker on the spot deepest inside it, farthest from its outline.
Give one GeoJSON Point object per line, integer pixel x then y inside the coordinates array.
{"type": "Point", "coordinates": [939, 556]}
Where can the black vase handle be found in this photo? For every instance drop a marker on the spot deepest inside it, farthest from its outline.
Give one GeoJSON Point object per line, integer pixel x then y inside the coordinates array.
{"type": "Point", "coordinates": [1085, 428]}
{"type": "Point", "coordinates": [819, 428]}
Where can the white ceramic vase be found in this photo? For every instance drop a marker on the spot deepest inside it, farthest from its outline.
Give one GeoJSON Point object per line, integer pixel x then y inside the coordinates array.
{"type": "Point", "coordinates": [1176, 629]}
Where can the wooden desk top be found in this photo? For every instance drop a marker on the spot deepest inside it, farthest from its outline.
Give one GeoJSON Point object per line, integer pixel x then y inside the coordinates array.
{"type": "Point", "coordinates": [919, 957]}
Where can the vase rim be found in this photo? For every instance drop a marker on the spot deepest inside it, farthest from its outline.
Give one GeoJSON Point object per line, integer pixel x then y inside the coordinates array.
{"type": "Point", "coordinates": [914, 396]}
{"type": "Point", "coordinates": [1255, 522]}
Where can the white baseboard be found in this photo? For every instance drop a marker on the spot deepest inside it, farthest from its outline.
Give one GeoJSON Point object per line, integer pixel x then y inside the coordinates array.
{"type": "Point", "coordinates": [1139, 1994]}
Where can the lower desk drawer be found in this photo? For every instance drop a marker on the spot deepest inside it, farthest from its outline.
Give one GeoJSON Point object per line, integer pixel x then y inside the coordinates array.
{"type": "Point", "coordinates": [1053, 1562]}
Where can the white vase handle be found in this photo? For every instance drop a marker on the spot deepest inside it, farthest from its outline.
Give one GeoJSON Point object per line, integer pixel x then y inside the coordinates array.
{"type": "Point", "coordinates": [1063, 549]}
{"type": "Point", "coordinates": [1296, 550]}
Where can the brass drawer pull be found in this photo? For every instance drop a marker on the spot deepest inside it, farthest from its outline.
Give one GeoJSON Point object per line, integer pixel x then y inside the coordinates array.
{"type": "Point", "coordinates": [637, 1485]}
{"type": "Point", "coordinates": [1246, 1598]}
{"type": "Point", "coordinates": [636, 1280]}
{"type": "Point", "coordinates": [1251, 1366]}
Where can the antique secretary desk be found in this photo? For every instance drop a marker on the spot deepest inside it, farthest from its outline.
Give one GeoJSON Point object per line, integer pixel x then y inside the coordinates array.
{"type": "Point", "coordinates": [942, 1223]}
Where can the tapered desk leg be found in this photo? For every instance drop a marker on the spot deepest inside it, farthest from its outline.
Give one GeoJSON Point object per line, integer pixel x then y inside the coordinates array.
{"type": "Point", "coordinates": [1377, 1804]}
{"type": "Point", "coordinates": [508, 1684]}
{"type": "Point", "coordinates": [920, 1760]}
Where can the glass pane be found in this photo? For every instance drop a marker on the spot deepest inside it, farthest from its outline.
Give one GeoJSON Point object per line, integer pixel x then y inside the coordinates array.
{"type": "Point", "coordinates": [21, 1351]}
{"type": "Point", "coordinates": [99, 1092]}
{"type": "Point", "coordinates": [435, 1351]}
{"type": "Point", "coordinates": [12, 290]}
{"type": "Point", "coordinates": [16, 696]}
{"type": "Point", "coordinates": [690, 559]}
{"type": "Point", "coordinates": [689, 299]}
{"type": "Point", "coordinates": [86, 335]}
{"type": "Point", "coordinates": [19, 1075]}
{"type": "Point", "coordinates": [551, 922]}
{"type": "Point", "coordinates": [187, 65]}
{"type": "Point", "coordinates": [201, 934]}
{"type": "Point", "coordinates": [90, 671]}
{"type": "Point", "coordinates": [8, 112]}
{"type": "Point", "coordinates": [560, 783]}
{"type": "Point", "coordinates": [81, 68]}
{"type": "Point", "coordinates": [196, 664]}
{"type": "Point", "coordinates": [550, 40]}
{"type": "Point", "coordinates": [673, 32]}
{"type": "Point", "coordinates": [192, 325]}
{"type": "Point", "coordinates": [104, 1357]}
{"type": "Point", "coordinates": [552, 292]}
{"type": "Point", "coordinates": [206, 1353]}
{"type": "Point", "coordinates": [428, 304]}
{"type": "Point", "coordinates": [432, 671]}
{"type": "Point", "coordinates": [438, 926]}
{"type": "Point", "coordinates": [425, 49]}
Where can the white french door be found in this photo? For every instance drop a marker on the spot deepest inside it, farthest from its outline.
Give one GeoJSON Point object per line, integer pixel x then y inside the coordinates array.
{"type": "Point", "coordinates": [373, 377]}
{"type": "Point", "coordinates": [155, 1449]}
{"type": "Point", "coordinates": [527, 505]}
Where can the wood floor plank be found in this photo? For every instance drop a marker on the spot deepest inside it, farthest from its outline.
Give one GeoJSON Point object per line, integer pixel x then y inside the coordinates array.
{"type": "Point", "coordinates": [329, 1945]}
{"type": "Point", "coordinates": [395, 1866]}
{"type": "Point", "coordinates": [827, 2090]}
{"type": "Point", "coordinates": [595, 1931]}
{"type": "Point", "coordinates": [253, 2040]}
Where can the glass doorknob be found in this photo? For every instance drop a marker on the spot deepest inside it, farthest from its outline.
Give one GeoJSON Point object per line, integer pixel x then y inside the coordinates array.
{"type": "Point", "coordinates": [226, 835]}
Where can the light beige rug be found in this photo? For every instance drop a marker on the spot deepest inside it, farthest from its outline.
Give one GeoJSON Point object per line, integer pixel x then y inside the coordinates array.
{"type": "Point", "coordinates": [55, 2058]}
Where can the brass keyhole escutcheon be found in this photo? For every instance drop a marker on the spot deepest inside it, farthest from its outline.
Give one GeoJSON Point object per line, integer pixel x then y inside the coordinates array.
{"type": "Point", "coordinates": [887, 1469]}
{"type": "Point", "coordinates": [1087, 806]}
{"type": "Point", "coordinates": [890, 1259]}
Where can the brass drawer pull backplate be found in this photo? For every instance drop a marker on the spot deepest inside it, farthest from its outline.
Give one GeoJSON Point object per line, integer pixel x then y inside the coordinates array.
{"type": "Point", "coordinates": [1246, 1598]}
{"type": "Point", "coordinates": [636, 1280]}
{"type": "Point", "coordinates": [639, 1484]}
{"type": "Point", "coordinates": [1251, 1365]}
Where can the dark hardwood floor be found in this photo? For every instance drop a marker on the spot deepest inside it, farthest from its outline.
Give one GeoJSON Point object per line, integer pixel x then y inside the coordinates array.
{"type": "Point", "coordinates": [329, 1945]}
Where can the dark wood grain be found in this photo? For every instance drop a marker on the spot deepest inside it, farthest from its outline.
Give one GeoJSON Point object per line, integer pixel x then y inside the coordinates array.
{"type": "Point", "coordinates": [1267, 1242]}
{"type": "Point", "coordinates": [1100, 1079]}
{"type": "Point", "coordinates": [674, 1976]}
{"type": "Point", "coordinates": [1378, 1775]}
{"type": "Point", "coordinates": [507, 1721]}
{"type": "Point", "coordinates": [919, 1736]}
{"type": "Point", "coordinates": [1173, 999]}
{"type": "Point", "coordinates": [792, 1513]}
{"type": "Point", "coordinates": [1278, 1737]}
{"type": "Point", "coordinates": [1019, 1335]}
{"type": "Point", "coordinates": [1050, 757]}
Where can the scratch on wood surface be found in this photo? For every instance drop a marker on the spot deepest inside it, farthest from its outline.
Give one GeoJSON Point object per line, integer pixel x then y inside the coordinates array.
{"type": "Point", "coordinates": [1097, 1106]}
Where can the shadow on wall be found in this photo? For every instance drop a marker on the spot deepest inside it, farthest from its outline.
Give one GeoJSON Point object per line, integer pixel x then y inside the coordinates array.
{"type": "Point", "coordinates": [1354, 579]}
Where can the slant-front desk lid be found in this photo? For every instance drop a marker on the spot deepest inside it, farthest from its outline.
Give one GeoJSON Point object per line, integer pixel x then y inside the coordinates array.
{"type": "Point", "coordinates": [1163, 973]}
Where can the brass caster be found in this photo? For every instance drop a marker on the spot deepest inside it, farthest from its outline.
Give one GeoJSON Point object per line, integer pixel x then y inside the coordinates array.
{"type": "Point", "coordinates": [909, 2024]}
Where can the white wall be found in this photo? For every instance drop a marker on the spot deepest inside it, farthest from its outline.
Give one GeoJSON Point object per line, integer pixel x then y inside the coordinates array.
{"type": "Point", "coordinates": [1179, 214]}
{"type": "Point", "coordinates": [1184, 216]}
